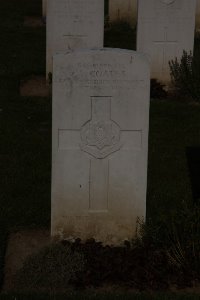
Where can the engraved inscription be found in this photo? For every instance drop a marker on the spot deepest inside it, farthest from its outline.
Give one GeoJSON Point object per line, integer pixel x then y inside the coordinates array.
{"type": "Point", "coordinates": [94, 75]}
{"type": "Point", "coordinates": [100, 136]}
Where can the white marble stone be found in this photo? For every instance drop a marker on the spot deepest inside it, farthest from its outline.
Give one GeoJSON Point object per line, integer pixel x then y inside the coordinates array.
{"type": "Point", "coordinates": [100, 144]}
{"type": "Point", "coordinates": [123, 10]}
{"type": "Point", "coordinates": [165, 29]}
{"type": "Point", "coordinates": [73, 24]}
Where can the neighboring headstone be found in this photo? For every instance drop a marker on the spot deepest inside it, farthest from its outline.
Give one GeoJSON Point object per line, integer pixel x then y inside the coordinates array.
{"type": "Point", "coordinates": [100, 144]}
{"type": "Point", "coordinates": [165, 29]}
{"type": "Point", "coordinates": [73, 24]}
{"type": "Point", "coordinates": [123, 10]}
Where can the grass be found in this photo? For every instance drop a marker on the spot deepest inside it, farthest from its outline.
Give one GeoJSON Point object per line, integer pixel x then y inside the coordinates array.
{"type": "Point", "coordinates": [173, 127]}
{"type": "Point", "coordinates": [25, 124]}
{"type": "Point", "coordinates": [101, 296]}
{"type": "Point", "coordinates": [25, 132]}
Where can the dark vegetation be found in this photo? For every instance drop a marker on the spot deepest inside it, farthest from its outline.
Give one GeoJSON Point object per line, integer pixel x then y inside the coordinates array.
{"type": "Point", "coordinates": [120, 35]}
{"type": "Point", "coordinates": [162, 255]}
{"type": "Point", "coordinates": [185, 76]}
{"type": "Point", "coordinates": [101, 296]}
{"type": "Point", "coordinates": [168, 252]}
{"type": "Point", "coordinates": [157, 90]}
{"type": "Point", "coordinates": [25, 125]}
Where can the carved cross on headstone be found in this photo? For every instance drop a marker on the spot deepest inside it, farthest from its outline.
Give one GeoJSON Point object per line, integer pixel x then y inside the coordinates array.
{"type": "Point", "coordinates": [100, 137]}
{"type": "Point", "coordinates": [165, 43]}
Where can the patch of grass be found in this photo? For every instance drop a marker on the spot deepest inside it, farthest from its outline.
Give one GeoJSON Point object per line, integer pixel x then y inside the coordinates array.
{"type": "Point", "coordinates": [25, 123]}
{"type": "Point", "coordinates": [22, 48]}
{"type": "Point", "coordinates": [26, 165]}
{"type": "Point", "coordinates": [163, 255]}
{"type": "Point", "coordinates": [101, 296]}
{"type": "Point", "coordinates": [53, 269]}
{"type": "Point", "coordinates": [173, 127]}
{"type": "Point", "coordinates": [185, 76]}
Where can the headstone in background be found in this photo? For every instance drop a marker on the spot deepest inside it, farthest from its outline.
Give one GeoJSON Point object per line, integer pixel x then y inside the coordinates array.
{"type": "Point", "coordinates": [73, 24]}
{"type": "Point", "coordinates": [100, 144]}
{"type": "Point", "coordinates": [123, 10]}
{"type": "Point", "coordinates": [165, 28]}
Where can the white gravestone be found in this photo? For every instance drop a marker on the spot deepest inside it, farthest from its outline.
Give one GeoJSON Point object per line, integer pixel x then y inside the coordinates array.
{"type": "Point", "coordinates": [73, 24]}
{"type": "Point", "coordinates": [165, 29]}
{"type": "Point", "coordinates": [123, 10]}
{"type": "Point", "coordinates": [100, 144]}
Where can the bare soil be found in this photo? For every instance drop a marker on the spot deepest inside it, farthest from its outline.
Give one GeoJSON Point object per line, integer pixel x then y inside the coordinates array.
{"type": "Point", "coordinates": [34, 22]}
{"type": "Point", "coordinates": [34, 86]}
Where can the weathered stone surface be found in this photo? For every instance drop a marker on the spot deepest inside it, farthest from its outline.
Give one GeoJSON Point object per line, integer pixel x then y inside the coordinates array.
{"type": "Point", "coordinates": [123, 10]}
{"type": "Point", "coordinates": [165, 29]}
{"type": "Point", "coordinates": [73, 24]}
{"type": "Point", "coordinates": [100, 144]}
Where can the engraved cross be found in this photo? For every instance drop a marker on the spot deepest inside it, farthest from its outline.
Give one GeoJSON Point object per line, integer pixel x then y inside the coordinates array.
{"type": "Point", "coordinates": [165, 42]}
{"type": "Point", "coordinates": [100, 137]}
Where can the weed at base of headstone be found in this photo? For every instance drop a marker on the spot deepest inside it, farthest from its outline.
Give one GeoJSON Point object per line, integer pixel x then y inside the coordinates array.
{"type": "Point", "coordinates": [185, 76]}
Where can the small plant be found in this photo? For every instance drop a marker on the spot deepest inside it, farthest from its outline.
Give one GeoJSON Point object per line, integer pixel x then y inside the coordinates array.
{"type": "Point", "coordinates": [184, 252]}
{"type": "Point", "coordinates": [185, 76]}
{"type": "Point", "coordinates": [178, 237]}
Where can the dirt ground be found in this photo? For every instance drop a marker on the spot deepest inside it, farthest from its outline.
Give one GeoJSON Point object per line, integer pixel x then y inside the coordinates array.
{"type": "Point", "coordinates": [33, 22]}
{"type": "Point", "coordinates": [35, 86]}
{"type": "Point", "coordinates": [21, 245]}
{"type": "Point", "coordinates": [28, 242]}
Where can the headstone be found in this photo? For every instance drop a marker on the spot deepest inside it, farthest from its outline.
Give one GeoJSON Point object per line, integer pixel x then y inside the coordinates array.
{"type": "Point", "coordinates": [73, 24]}
{"type": "Point", "coordinates": [123, 10]}
{"type": "Point", "coordinates": [165, 29]}
{"type": "Point", "coordinates": [100, 144]}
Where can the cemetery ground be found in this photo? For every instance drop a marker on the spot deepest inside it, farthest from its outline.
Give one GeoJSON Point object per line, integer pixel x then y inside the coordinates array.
{"type": "Point", "coordinates": [167, 256]}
